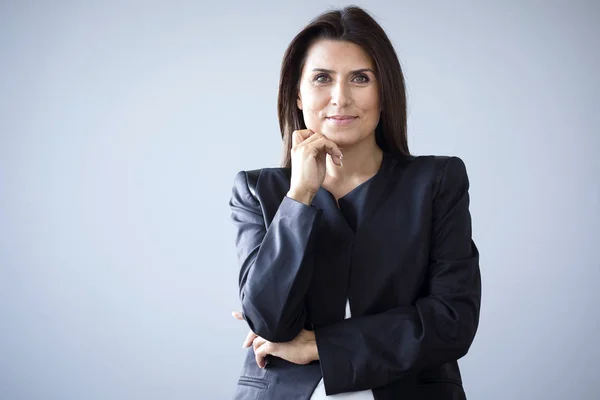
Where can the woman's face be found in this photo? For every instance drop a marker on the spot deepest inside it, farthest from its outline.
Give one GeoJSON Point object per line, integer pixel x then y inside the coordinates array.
{"type": "Point", "coordinates": [339, 92]}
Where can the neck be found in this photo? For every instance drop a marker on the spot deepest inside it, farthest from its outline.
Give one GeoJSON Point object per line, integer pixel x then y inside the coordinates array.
{"type": "Point", "coordinates": [360, 160]}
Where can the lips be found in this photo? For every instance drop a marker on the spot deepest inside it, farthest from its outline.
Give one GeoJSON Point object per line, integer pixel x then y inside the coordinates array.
{"type": "Point", "coordinates": [339, 120]}
{"type": "Point", "coordinates": [341, 117]}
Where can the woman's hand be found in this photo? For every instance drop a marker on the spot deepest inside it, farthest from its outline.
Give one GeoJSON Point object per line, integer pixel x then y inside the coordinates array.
{"type": "Point", "coordinates": [309, 153]}
{"type": "Point", "coordinates": [301, 350]}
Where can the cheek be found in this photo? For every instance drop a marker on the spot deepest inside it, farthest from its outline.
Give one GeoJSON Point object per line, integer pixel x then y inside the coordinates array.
{"type": "Point", "coordinates": [313, 102]}
{"type": "Point", "coordinates": [313, 106]}
{"type": "Point", "coordinates": [369, 104]}
{"type": "Point", "coordinates": [311, 112]}
{"type": "Point", "coordinates": [369, 101]}
{"type": "Point", "coordinates": [313, 99]}
{"type": "Point", "coordinates": [312, 119]}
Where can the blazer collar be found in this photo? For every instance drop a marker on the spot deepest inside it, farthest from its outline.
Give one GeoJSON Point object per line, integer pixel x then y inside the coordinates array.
{"type": "Point", "coordinates": [364, 202]}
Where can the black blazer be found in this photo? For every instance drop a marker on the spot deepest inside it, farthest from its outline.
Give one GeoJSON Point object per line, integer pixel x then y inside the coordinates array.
{"type": "Point", "coordinates": [409, 268]}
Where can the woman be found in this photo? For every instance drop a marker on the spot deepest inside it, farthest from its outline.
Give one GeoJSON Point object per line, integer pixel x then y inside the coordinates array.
{"type": "Point", "coordinates": [359, 278]}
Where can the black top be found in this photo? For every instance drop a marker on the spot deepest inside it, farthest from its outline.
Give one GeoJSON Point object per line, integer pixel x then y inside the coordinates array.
{"type": "Point", "coordinates": [399, 247]}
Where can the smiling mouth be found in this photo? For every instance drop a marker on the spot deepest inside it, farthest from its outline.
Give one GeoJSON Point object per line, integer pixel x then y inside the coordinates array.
{"type": "Point", "coordinates": [341, 120]}
{"type": "Point", "coordinates": [341, 116]}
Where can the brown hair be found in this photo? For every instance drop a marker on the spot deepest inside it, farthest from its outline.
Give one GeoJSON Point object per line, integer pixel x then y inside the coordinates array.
{"type": "Point", "coordinates": [355, 25]}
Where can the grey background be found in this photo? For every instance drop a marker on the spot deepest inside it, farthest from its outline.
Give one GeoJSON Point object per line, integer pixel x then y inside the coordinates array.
{"type": "Point", "coordinates": [122, 125]}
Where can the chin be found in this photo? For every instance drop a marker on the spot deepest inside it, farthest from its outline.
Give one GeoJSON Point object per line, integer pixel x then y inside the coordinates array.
{"type": "Point", "coordinates": [343, 137]}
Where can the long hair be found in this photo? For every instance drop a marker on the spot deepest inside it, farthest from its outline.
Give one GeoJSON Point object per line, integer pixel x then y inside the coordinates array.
{"type": "Point", "coordinates": [355, 25]}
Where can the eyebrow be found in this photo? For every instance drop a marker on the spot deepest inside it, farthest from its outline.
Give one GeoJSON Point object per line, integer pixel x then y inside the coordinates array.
{"type": "Point", "coordinates": [356, 71]}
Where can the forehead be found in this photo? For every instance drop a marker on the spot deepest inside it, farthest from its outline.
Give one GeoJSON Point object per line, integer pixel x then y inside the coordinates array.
{"type": "Point", "coordinates": [337, 55]}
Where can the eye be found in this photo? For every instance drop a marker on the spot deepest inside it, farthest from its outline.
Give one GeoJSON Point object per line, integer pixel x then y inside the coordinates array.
{"type": "Point", "coordinates": [362, 78]}
{"type": "Point", "coordinates": [319, 80]}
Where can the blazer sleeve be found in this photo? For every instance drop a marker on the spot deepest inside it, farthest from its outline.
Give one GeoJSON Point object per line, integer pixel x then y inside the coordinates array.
{"type": "Point", "coordinates": [275, 261]}
{"type": "Point", "coordinates": [369, 351]}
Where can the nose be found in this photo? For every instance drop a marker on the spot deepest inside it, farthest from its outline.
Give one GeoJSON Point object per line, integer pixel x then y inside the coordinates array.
{"type": "Point", "coordinates": [341, 95]}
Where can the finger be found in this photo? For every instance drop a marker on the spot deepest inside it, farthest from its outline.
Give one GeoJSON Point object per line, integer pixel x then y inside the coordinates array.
{"type": "Point", "coordinates": [249, 339]}
{"type": "Point", "coordinates": [308, 143]}
{"type": "Point", "coordinates": [259, 355]}
{"type": "Point", "coordinates": [301, 135]}
{"type": "Point", "coordinates": [262, 353]}
{"type": "Point", "coordinates": [257, 342]}
{"type": "Point", "coordinates": [321, 140]}
{"type": "Point", "coordinates": [237, 315]}
{"type": "Point", "coordinates": [329, 147]}
{"type": "Point", "coordinates": [314, 136]}
{"type": "Point", "coordinates": [318, 143]}
{"type": "Point", "coordinates": [260, 360]}
{"type": "Point", "coordinates": [310, 137]}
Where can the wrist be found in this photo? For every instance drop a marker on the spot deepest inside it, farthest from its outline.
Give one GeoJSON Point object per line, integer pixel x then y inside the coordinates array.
{"type": "Point", "coordinates": [303, 196]}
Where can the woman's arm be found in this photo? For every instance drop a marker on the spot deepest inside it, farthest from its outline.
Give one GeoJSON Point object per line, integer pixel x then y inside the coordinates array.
{"type": "Point", "coordinates": [276, 265]}
{"type": "Point", "coordinates": [374, 350]}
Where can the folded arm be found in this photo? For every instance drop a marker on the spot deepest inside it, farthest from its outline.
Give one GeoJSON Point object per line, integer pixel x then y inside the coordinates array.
{"type": "Point", "coordinates": [275, 262]}
{"type": "Point", "coordinates": [369, 351]}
